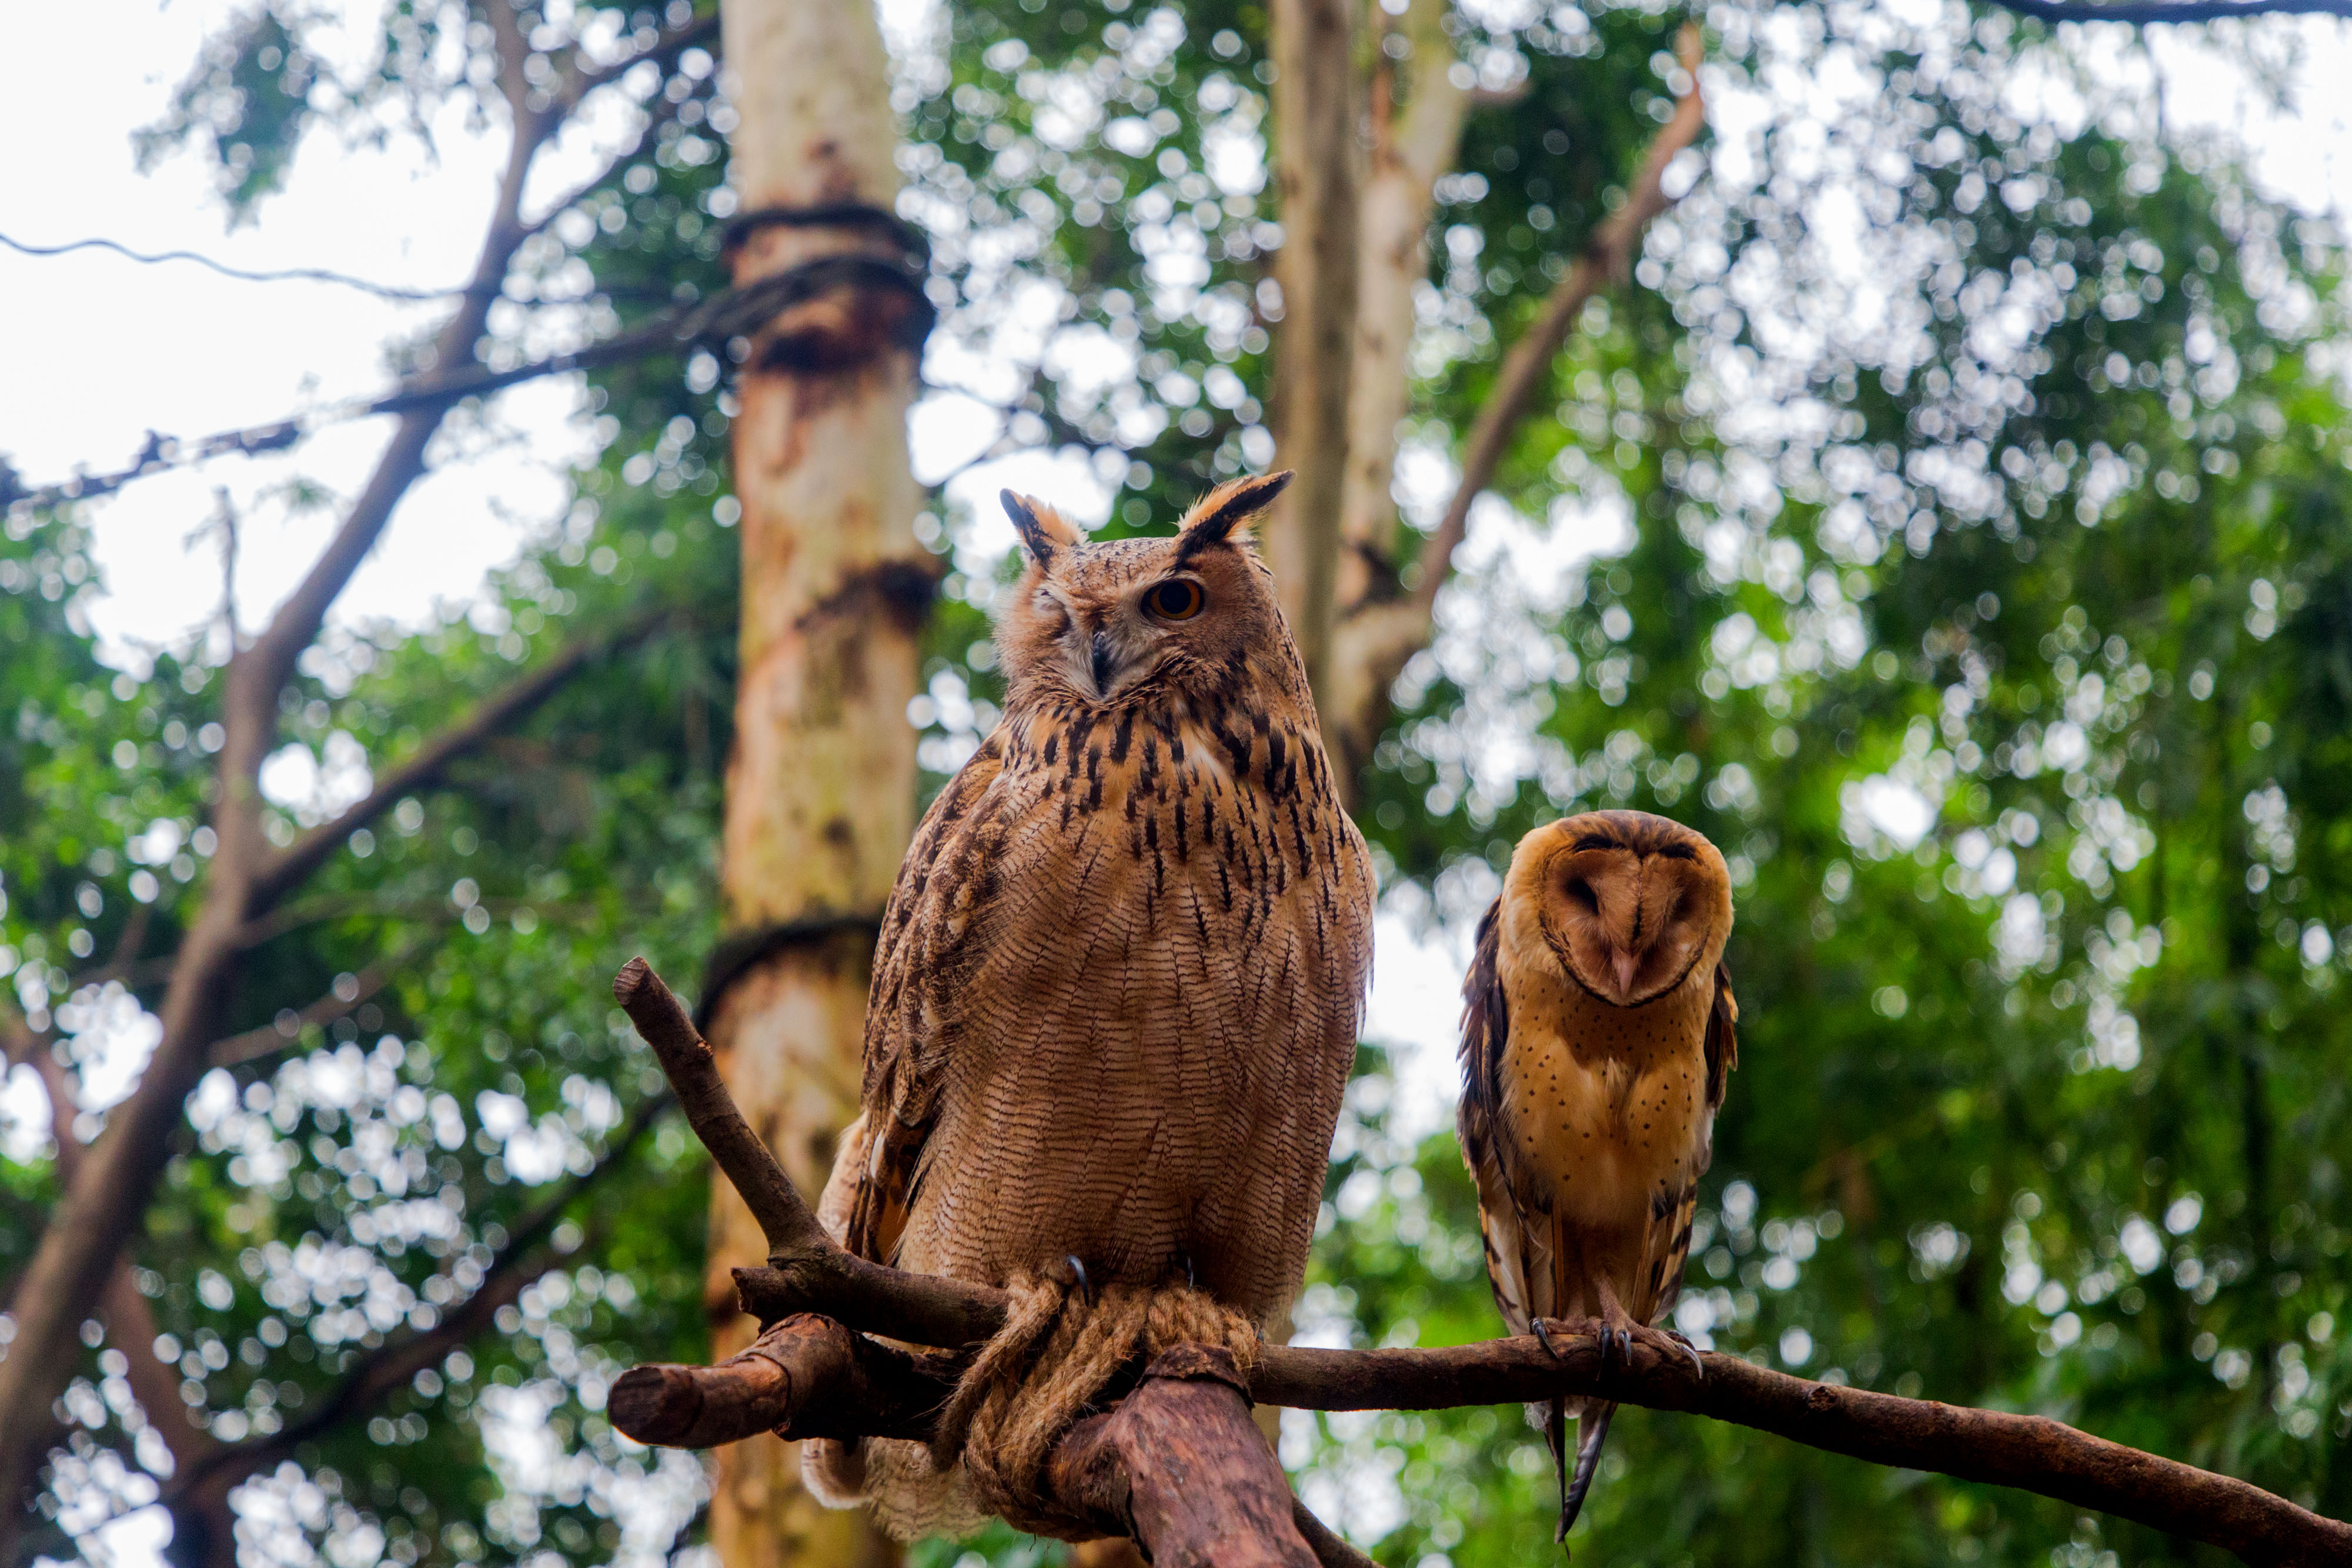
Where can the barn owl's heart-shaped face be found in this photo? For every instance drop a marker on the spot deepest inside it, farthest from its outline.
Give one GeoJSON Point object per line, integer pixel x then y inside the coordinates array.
{"type": "Point", "coordinates": [1631, 902]}
{"type": "Point", "coordinates": [1100, 625]}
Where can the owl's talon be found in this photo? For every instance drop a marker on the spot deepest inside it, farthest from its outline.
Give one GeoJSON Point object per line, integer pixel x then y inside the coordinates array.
{"type": "Point", "coordinates": [1544, 1339]}
{"type": "Point", "coordinates": [1681, 1342]}
{"type": "Point", "coordinates": [1086, 1286]}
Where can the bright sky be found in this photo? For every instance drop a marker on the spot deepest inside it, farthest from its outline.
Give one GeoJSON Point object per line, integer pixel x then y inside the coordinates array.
{"type": "Point", "coordinates": [102, 349]}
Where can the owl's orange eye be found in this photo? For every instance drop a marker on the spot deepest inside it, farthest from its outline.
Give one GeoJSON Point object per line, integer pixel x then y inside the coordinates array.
{"type": "Point", "coordinates": [1178, 598]}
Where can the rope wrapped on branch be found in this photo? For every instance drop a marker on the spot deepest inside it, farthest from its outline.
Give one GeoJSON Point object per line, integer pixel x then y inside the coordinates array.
{"type": "Point", "coordinates": [810, 1274]}
{"type": "Point", "coordinates": [1063, 1350]}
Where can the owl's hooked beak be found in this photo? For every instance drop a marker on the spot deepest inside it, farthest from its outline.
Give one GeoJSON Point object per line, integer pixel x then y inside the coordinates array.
{"type": "Point", "coordinates": [1102, 662]}
{"type": "Point", "coordinates": [1623, 964]}
{"type": "Point", "coordinates": [1623, 952]}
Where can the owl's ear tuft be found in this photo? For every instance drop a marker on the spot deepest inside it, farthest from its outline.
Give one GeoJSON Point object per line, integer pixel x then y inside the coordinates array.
{"type": "Point", "coordinates": [1217, 514]}
{"type": "Point", "coordinates": [1043, 529]}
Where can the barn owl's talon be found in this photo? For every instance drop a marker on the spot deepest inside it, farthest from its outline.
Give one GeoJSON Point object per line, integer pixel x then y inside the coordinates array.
{"type": "Point", "coordinates": [1618, 1332]}
{"type": "Point", "coordinates": [1681, 1342]}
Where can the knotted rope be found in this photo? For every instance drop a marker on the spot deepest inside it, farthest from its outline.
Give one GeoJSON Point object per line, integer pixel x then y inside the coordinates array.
{"type": "Point", "coordinates": [1056, 1354]}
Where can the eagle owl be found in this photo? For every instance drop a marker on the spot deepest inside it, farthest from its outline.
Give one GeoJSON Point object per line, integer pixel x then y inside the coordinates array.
{"type": "Point", "coordinates": [1595, 1044]}
{"type": "Point", "coordinates": [1117, 986]}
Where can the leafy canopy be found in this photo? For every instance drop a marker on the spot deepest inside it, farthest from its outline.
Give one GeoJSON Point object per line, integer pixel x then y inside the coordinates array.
{"type": "Point", "coordinates": [1949, 520]}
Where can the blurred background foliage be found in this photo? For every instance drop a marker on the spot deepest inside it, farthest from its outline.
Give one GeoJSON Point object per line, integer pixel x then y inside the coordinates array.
{"type": "Point", "coordinates": [1949, 519]}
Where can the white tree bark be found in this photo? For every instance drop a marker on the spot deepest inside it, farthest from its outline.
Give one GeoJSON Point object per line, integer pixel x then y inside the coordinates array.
{"type": "Point", "coordinates": [821, 787]}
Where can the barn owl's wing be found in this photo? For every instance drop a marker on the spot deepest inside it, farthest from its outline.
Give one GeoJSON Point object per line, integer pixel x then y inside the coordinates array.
{"type": "Point", "coordinates": [1722, 1036]}
{"type": "Point", "coordinates": [930, 917]}
{"type": "Point", "coordinates": [1486, 1146]}
{"type": "Point", "coordinates": [1670, 1236]}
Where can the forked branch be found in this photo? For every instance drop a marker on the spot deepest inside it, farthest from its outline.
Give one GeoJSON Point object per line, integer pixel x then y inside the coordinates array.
{"type": "Point", "coordinates": [809, 1378]}
{"type": "Point", "coordinates": [807, 1272]}
{"type": "Point", "coordinates": [1608, 254]}
{"type": "Point", "coordinates": [493, 716]}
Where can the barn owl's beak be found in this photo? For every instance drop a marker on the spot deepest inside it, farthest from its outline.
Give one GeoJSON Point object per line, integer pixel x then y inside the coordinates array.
{"type": "Point", "coordinates": [1624, 964]}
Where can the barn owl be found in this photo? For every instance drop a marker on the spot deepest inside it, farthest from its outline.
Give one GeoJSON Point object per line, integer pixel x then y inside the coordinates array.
{"type": "Point", "coordinates": [1117, 986]}
{"type": "Point", "coordinates": [1596, 1040]}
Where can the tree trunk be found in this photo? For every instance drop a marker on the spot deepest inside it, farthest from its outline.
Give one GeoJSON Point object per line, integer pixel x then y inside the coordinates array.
{"type": "Point", "coordinates": [820, 788]}
{"type": "Point", "coordinates": [1378, 626]}
{"type": "Point", "coordinates": [1417, 110]}
{"type": "Point", "coordinates": [1315, 104]}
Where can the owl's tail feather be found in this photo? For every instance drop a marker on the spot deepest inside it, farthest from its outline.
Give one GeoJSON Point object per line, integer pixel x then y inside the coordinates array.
{"type": "Point", "coordinates": [1555, 1431]}
{"type": "Point", "coordinates": [1058, 1349]}
{"type": "Point", "coordinates": [1591, 1431]}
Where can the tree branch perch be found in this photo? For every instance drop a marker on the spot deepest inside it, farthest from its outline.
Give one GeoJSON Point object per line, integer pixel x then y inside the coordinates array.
{"type": "Point", "coordinates": [808, 1377]}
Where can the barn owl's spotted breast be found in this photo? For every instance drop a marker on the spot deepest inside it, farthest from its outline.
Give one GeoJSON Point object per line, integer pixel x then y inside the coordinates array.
{"type": "Point", "coordinates": [1607, 1105]}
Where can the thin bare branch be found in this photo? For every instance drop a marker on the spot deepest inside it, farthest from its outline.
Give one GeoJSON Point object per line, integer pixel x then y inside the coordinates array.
{"type": "Point", "coordinates": [124, 962]}
{"type": "Point", "coordinates": [393, 1364]}
{"type": "Point", "coordinates": [2172, 10]}
{"type": "Point", "coordinates": [1329, 1549]}
{"type": "Point", "coordinates": [799, 1374]}
{"type": "Point", "coordinates": [425, 764]}
{"type": "Point", "coordinates": [283, 275]}
{"type": "Point", "coordinates": [270, 1038]}
{"type": "Point", "coordinates": [700, 31]}
{"type": "Point", "coordinates": [2031, 1453]}
{"type": "Point", "coordinates": [658, 111]}
{"type": "Point", "coordinates": [808, 1272]}
{"type": "Point", "coordinates": [727, 314]}
{"type": "Point", "coordinates": [1607, 258]}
